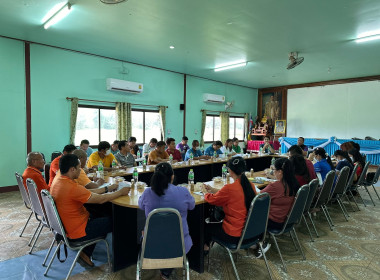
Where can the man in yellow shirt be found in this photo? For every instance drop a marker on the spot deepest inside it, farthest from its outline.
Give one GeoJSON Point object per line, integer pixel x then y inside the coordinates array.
{"type": "Point", "coordinates": [159, 154]}
{"type": "Point", "coordinates": [103, 154]}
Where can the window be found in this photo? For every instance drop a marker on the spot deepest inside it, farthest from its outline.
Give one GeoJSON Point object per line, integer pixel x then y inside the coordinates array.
{"type": "Point", "coordinates": [237, 128]}
{"type": "Point", "coordinates": [146, 125]}
{"type": "Point", "coordinates": [95, 124]}
{"type": "Point", "coordinates": [212, 129]}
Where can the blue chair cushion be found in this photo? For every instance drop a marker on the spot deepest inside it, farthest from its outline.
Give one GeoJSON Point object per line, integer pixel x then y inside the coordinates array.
{"type": "Point", "coordinates": [277, 231]}
{"type": "Point", "coordinates": [233, 246]}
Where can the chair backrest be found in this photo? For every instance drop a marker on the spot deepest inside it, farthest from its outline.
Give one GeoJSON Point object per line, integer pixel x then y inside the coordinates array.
{"type": "Point", "coordinates": [313, 186]}
{"type": "Point", "coordinates": [298, 207]}
{"type": "Point", "coordinates": [324, 195]}
{"type": "Point", "coordinates": [351, 179]}
{"type": "Point", "coordinates": [257, 219]}
{"type": "Point", "coordinates": [341, 181]}
{"type": "Point", "coordinates": [364, 173]}
{"type": "Point", "coordinates": [55, 155]}
{"type": "Point", "coordinates": [24, 194]}
{"type": "Point", "coordinates": [376, 176]}
{"type": "Point", "coordinates": [35, 201]}
{"type": "Point", "coordinates": [163, 243]}
{"type": "Point", "coordinates": [47, 172]}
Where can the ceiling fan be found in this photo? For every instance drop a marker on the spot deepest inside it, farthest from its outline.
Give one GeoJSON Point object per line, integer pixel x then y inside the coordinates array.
{"type": "Point", "coordinates": [294, 60]}
{"type": "Point", "coordinates": [112, 1]}
{"type": "Point", "coordinates": [229, 105]}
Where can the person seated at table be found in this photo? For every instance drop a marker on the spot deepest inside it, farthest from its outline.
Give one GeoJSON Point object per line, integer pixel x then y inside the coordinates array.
{"type": "Point", "coordinates": [214, 149]}
{"type": "Point", "coordinates": [295, 151]}
{"type": "Point", "coordinates": [148, 147]}
{"type": "Point", "coordinates": [266, 147]}
{"type": "Point", "coordinates": [282, 192]}
{"type": "Point", "coordinates": [158, 154]}
{"type": "Point", "coordinates": [323, 162]}
{"type": "Point", "coordinates": [343, 160]}
{"type": "Point", "coordinates": [235, 199]}
{"type": "Point", "coordinates": [35, 166]}
{"type": "Point", "coordinates": [163, 194]}
{"type": "Point", "coordinates": [85, 146]}
{"type": "Point", "coordinates": [358, 160]}
{"type": "Point", "coordinates": [124, 156]}
{"type": "Point", "coordinates": [132, 144]}
{"type": "Point", "coordinates": [227, 148]}
{"type": "Point", "coordinates": [195, 150]}
{"type": "Point", "coordinates": [115, 147]}
{"type": "Point", "coordinates": [236, 146]}
{"type": "Point", "coordinates": [54, 165]}
{"type": "Point", "coordinates": [70, 197]}
{"type": "Point", "coordinates": [182, 146]}
{"type": "Point", "coordinates": [171, 150]}
{"type": "Point", "coordinates": [103, 154]}
{"type": "Point", "coordinates": [300, 143]}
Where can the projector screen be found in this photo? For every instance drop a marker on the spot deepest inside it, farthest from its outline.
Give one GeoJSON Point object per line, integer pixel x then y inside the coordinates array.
{"type": "Point", "coordinates": [344, 111]}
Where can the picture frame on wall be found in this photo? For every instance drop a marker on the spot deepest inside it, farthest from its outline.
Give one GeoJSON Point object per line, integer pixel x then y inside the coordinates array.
{"type": "Point", "coordinates": [280, 127]}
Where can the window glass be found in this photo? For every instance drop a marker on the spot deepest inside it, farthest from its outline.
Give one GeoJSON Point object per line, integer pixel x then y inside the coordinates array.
{"type": "Point", "coordinates": [87, 126]}
{"type": "Point", "coordinates": [209, 129]}
{"type": "Point", "coordinates": [137, 125]}
{"type": "Point", "coordinates": [107, 125]}
{"type": "Point", "coordinates": [239, 123]}
{"type": "Point", "coordinates": [217, 131]}
{"type": "Point", "coordinates": [232, 128]}
{"type": "Point", "coordinates": [152, 127]}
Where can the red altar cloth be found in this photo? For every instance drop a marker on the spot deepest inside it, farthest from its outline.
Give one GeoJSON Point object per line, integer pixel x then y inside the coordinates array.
{"type": "Point", "coordinates": [255, 145]}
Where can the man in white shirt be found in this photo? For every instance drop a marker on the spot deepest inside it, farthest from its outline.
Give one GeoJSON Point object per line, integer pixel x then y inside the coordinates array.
{"type": "Point", "coordinates": [148, 147]}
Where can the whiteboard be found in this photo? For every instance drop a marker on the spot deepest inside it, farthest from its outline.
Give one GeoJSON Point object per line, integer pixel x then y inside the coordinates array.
{"type": "Point", "coordinates": [344, 111]}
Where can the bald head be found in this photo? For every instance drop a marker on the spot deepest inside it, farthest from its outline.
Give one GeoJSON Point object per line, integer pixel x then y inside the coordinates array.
{"type": "Point", "coordinates": [82, 155]}
{"type": "Point", "coordinates": [35, 159]}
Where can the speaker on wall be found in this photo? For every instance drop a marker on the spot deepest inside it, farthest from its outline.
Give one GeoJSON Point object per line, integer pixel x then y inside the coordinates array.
{"type": "Point", "coordinates": [182, 107]}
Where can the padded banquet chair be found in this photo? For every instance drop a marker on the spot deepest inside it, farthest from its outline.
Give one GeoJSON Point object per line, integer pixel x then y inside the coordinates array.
{"type": "Point", "coordinates": [355, 187]}
{"type": "Point", "coordinates": [373, 181]}
{"type": "Point", "coordinates": [340, 188]}
{"type": "Point", "coordinates": [313, 185]}
{"type": "Point", "coordinates": [25, 198]}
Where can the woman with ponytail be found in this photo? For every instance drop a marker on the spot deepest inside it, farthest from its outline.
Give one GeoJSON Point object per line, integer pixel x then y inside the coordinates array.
{"type": "Point", "coordinates": [282, 193]}
{"type": "Point", "coordinates": [323, 164]}
{"type": "Point", "coordinates": [161, 194]}
{"type": "Point", "coordinates": [235, 199]}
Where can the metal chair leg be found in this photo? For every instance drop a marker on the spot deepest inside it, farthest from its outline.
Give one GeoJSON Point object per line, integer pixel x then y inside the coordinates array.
{"type": "Point", "coordinates": [312, 222]}
{"type": "Point", "coordinates": [327, 218]}
{"type": "Point", "coordinates": [294, 242]}
{"type": "Point", "coordinates": [48, 253]}
{"type": "Point", "coordinates": [279, 252]}
{"type": "Point", "coordinates": [376, 192]}
{"type": "Point", "coordinates": [352, 195]}
{"type": "Point", "coordinates": [349, 202]}
{"type": "Point", "coordinates": [266, 261]}
{"type": "Point", "coordinates": [233, 263]}
{"type": "Point", "coordinates": [370, 196]}
{"type": "Point", "coordinates": [108, 255]}
{"type": "Point", "coordinates": [299, 244]}
{"type": "Point", "coordinates": [73, 264]}
{"type": "Point", "coordinates": [365, 205]}
{"type": "Point", "coordinates": [52, 258]}
{"type": "Point", "coordinates": [308, 229]}
{"type": "Point", "coordinates": [35, 232]}
{"type": "Point", "coordinates": [342, 208]}
{"type": "Point", "coordinates": [27, 221]}
{"type": "Point", "coordinates": [328, 214]}
{"type": "Point", "coordinates": [35, 240]}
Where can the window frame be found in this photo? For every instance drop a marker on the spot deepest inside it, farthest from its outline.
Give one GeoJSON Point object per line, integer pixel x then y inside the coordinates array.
{"type": "Point", "coordinates": [234, 118]}
{"type": "Point", "coordinates": [144, 111]}
{"type": "Point", "coordinates": [213, 127]}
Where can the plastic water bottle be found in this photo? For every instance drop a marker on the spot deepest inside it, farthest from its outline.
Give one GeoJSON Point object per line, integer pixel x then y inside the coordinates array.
{"type": "Point", "coordinates": [138, 154]}
{"type": "Point", "coordinates": [191, 157]}
{"type": "Point", "coordinates": [191, 177]}
{"type": "Point", "coordinates": [101, 169]}
{"type": "Point", "coordinates": [135, 175]}
{"type": "Point", "coordinates": [273, 161]}
{"type": "Point", "coordinates": [144, 164]}
{"type": "Point", "coordinates": [171, 159]}
{"type": "Point", "coordinates": [224, 173]}
{"type": "Point", "coordinates": [225, 154]}
{"type": "Point", "coordinates": [214, 155]}
{"type": "Point", "coordinates": [114, 165]}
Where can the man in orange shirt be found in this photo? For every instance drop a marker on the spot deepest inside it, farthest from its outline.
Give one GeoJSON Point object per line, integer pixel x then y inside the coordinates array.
{"type": "Point", "coordinates": [35, 163]}
{"type": "Point", "coordinates": [70, 197]}
{"type": "Point", "coordinates": [54, 165]}
{"type": "Point", "coordinates": [83, 180]}
{"type": "Point", "coordinates": [159, 154]}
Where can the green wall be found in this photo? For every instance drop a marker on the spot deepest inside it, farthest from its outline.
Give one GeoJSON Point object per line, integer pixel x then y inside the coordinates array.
{"type": "Point", "coordinates": [12, 113]}
{"type": "Point", "coordinates": [57, 74]}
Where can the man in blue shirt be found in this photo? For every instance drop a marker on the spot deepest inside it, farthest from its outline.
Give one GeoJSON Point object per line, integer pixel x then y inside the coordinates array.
{"type": "Point", "coordinates": [84, 145]}
{"type": "Point", "coordinates": [215, 147]}
{"type": "Point", "coordinates": [197, 154]}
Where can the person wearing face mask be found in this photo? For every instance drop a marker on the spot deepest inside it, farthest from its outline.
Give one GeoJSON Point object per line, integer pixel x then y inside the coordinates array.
{"type": "Point", "coordinates": [196, 151]}
{"type": "Point", "coordinates": [103, 154]}
{"type": "Point", "coordinates": [35, 163]}
{"type": "Point", "coordinates": [323, 164]}
{"type": "Point", "coordinates": [357, 159]}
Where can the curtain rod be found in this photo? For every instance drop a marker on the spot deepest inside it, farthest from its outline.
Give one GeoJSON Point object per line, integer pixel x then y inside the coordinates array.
{"type": "Point", "coordinates": [203, 110]}
{"type": "Point", "coordinates": [91, 100]}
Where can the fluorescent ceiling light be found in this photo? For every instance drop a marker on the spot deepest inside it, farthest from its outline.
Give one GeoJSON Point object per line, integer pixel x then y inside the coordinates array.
{"type": "Point", "coordinates": [230, 65]}
{"type": "Point", "coordinates": [172, 47]}
{"type": "Point", "coordinates": [53, 11]}
{"type": "Point", "coordinates": [60, 14]}
{"type": "Point", "coordinates": [368, 36]}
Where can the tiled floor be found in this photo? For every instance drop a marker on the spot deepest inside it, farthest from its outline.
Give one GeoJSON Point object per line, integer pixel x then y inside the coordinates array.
{"type": "Point", "coordinates": [351, 251]}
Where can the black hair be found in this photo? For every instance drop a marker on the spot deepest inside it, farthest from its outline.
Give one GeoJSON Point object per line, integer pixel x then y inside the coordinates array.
{"type": "Point", "coordinates": [121, 144]}
{"type": "Point", "coordinates": [295, 149]}
{"type": "Point", "coordinates": [103, 145]}
{"type": "Point", "coordinates": [302, 138]}
{"type": "Point", "coordinates": [68, 161]}
{"type": "Point", "coordinates": [160, 143]}
{"type": "Point", "coordinates": [169, 140]}
{"type": "Point", "coordinates": [227, 141]}
{"type": "Point", "coordinates": [185, 138]}
{"type": "Point", "coordinates": [357, 157]}
{"type": "Point", "coordinates": [84, 141]}
{"type": "Point", "coordinates": [288, 179]}
{"type": "Point", "coordinates": [161, 177]}
{"type": "Point", "coordinates": [343, 154]}
{"type": "Point", "coordinates": [194, 142]}
{"type": "Point", "coordinates": [321, 152]}
{"type": "Point", "coordinates": [218, 143]}
{"type": "Point", "coordinates": [356, 145]}
{"type": "Point", "coordinates": [237, 165]}
{"type": "Point", "coordinates": [267, 136]}
{"type": "Point", "coordinates": [300, 167]}
{"type": "Point", "coordinates": [132, 139]}
{"type": "Point", "coordinates": [116, 142]}
{"type": "Point", "coordinates": [234, 139]}
{"type": "Point", "coordinates": [153, 140]}
{"type": "Point", "coordinates": [69, 148]}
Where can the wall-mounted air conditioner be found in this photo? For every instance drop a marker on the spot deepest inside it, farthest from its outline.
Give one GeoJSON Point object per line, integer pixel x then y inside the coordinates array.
{"type": "Point", "coordinates": [124, 86]}
{"type": "Point", "coordinates": [214, 98]}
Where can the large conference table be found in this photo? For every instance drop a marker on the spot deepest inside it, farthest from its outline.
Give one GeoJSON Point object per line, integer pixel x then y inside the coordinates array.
{"type": "Point", "coordinates": [129, 220]}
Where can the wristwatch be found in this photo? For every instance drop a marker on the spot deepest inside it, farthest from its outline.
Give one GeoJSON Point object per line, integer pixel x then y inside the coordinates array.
{"type": "Point", "coordinates": [106, 189]}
